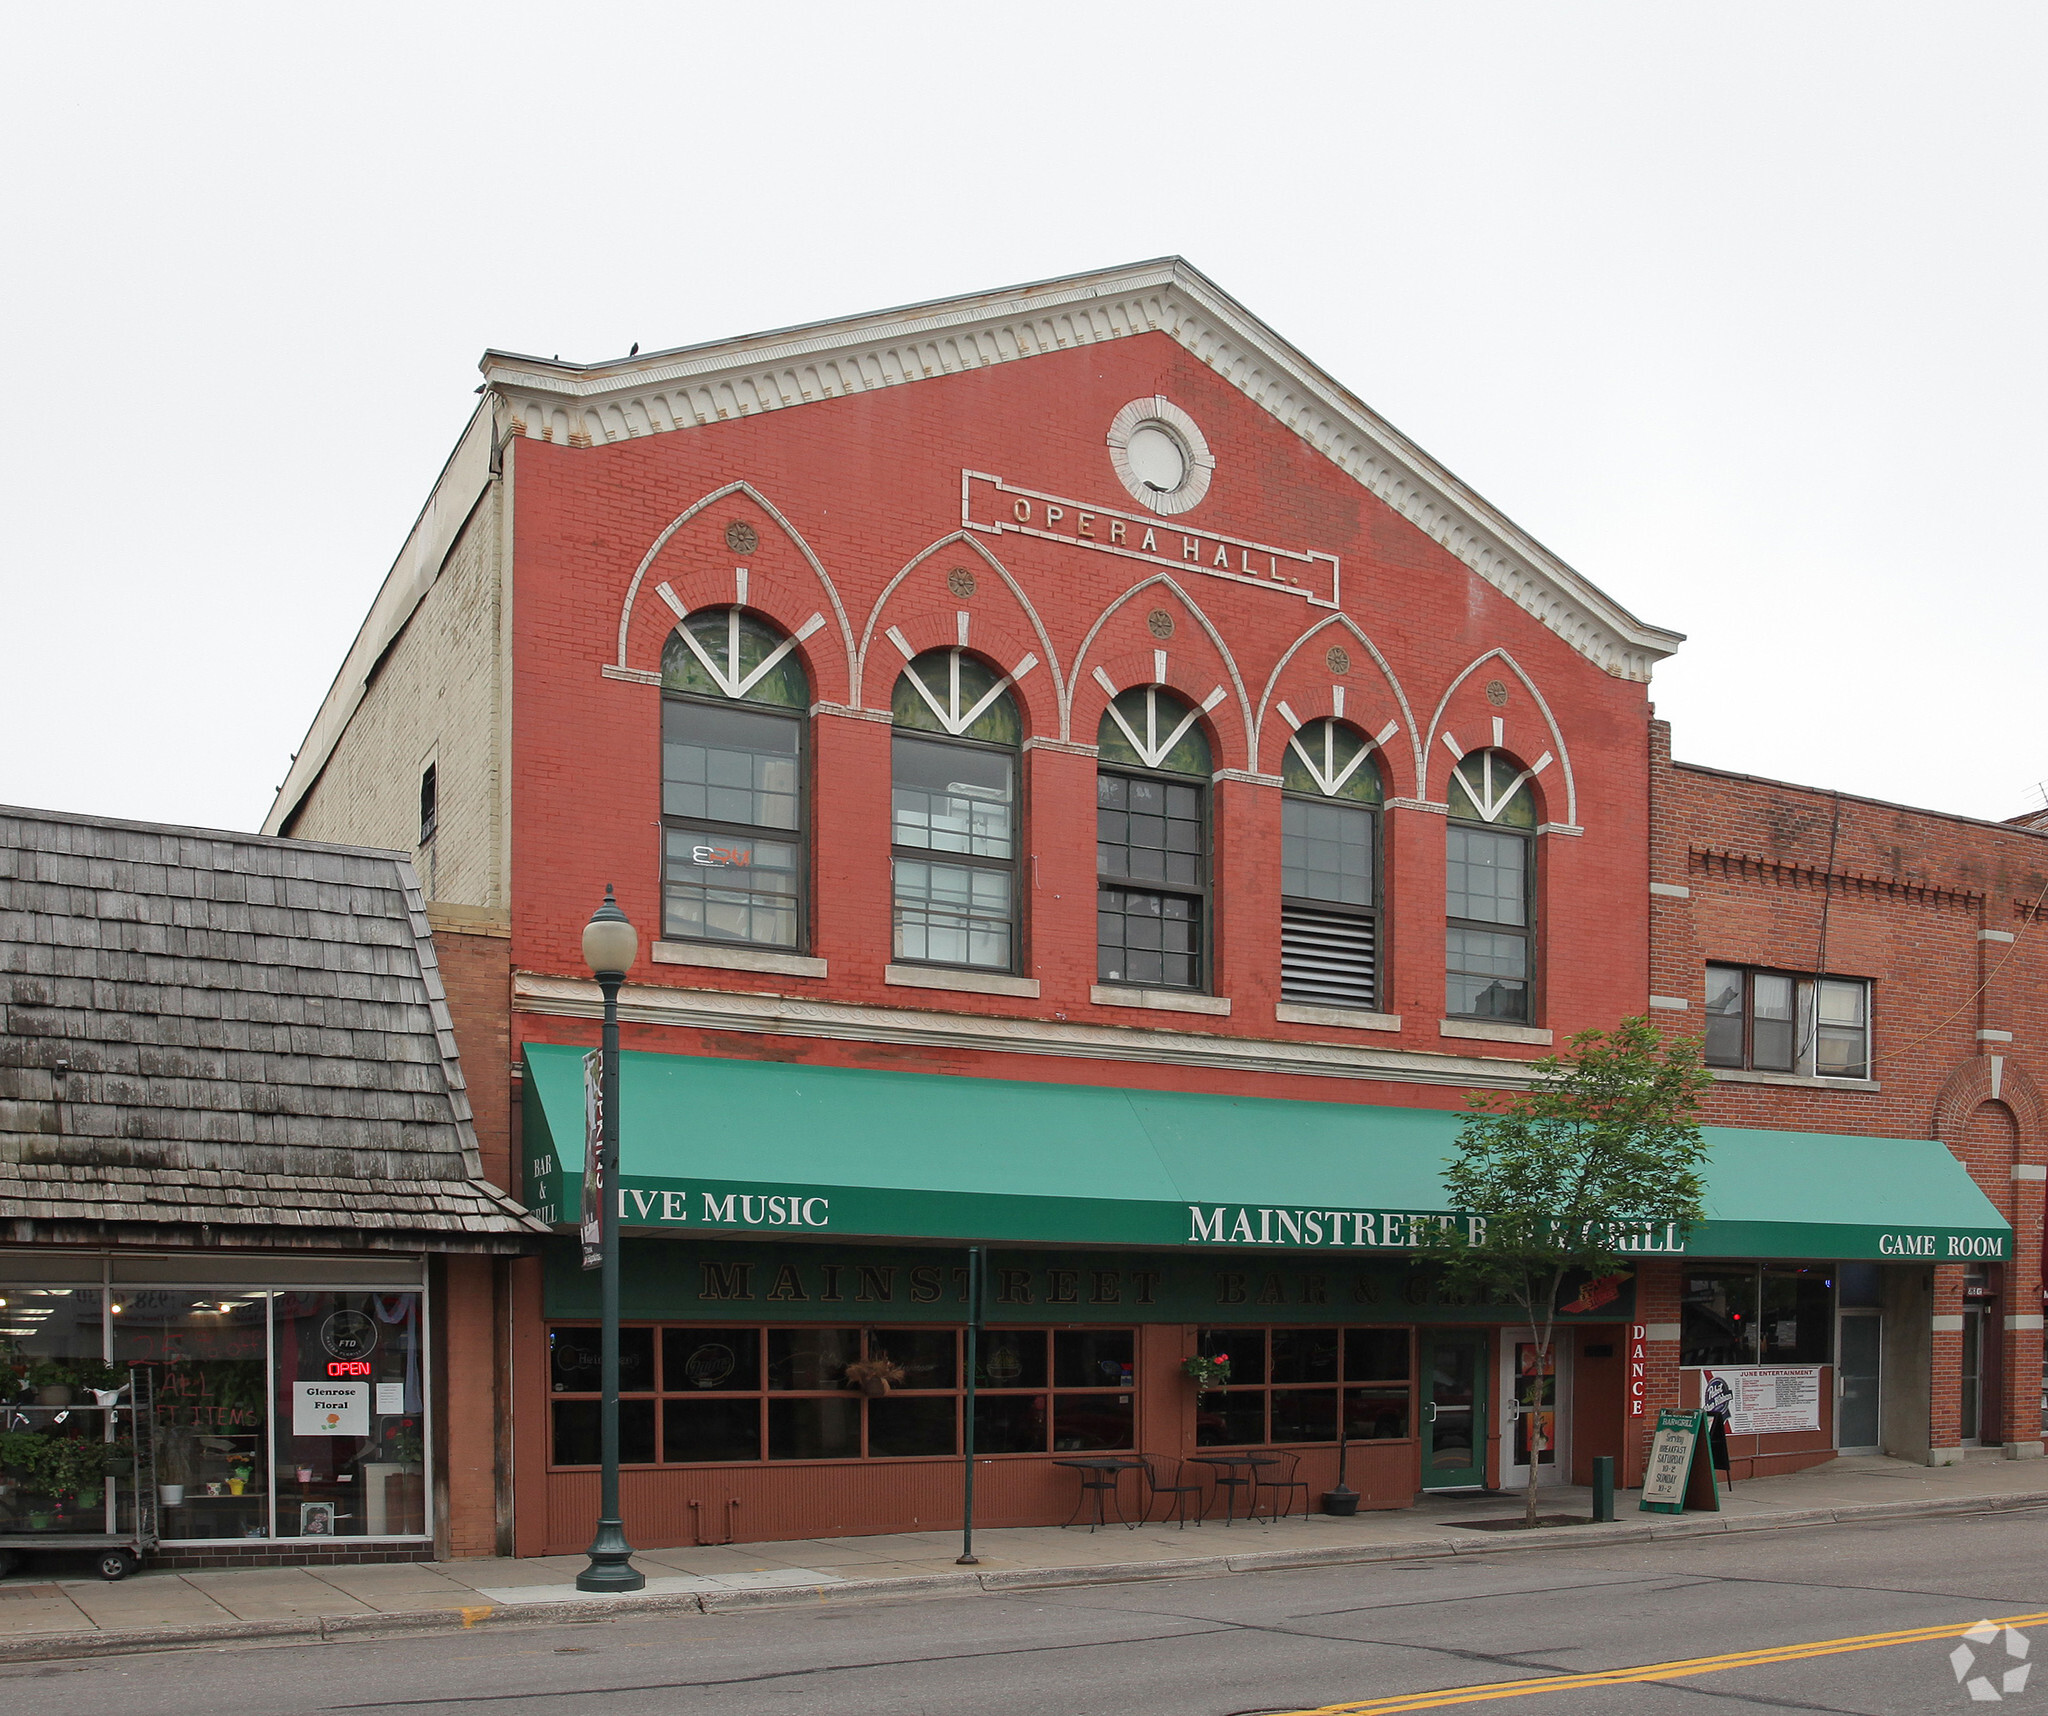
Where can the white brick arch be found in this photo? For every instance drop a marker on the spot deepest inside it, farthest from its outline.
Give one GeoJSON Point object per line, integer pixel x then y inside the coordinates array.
{"type": "Point", "coordinates": [1342, 623]}
{"type": "Point", "coordinates": [1430, 747]}
{"type": "Point", "coordinates": [965, 540]}
{"type": "Point", "coordinates": [789, 530]}
{"type": "Point", "coordinates": [1209, 630]}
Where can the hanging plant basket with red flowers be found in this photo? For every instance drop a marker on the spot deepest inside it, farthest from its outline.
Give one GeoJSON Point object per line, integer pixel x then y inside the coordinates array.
{"type": "Point", "coordinates": [1212, 1372]}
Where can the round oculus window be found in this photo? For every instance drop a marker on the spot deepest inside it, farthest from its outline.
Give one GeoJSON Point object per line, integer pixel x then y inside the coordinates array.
{"type": "Point", "coordinates": [1156, 458]}
{"type": "Point", "coordinates": [1160, 454]}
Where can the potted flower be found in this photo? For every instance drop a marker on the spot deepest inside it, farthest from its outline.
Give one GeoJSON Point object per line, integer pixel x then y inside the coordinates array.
{"type": "Point", "coordinates": [238, 1477]}
{"type": "Point", "coordinates": [875, 1375]}
{"type": "Point", "coordinates": [1211, 1371]}
{"type": "Point", "coordinates": [173, 1465]}
{"type": "Point", "coordinates": [51, 1381]}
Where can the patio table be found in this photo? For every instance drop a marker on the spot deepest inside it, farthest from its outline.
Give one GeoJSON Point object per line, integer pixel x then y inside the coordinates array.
{"type": "Point", "coordinates": [1110, 1469]}
{"type": "Point", "coordinates": [1238, 1471]}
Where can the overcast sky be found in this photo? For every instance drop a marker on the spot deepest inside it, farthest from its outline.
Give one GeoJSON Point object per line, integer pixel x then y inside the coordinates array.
{"type": "Point", "coordinates": [1738, 308]}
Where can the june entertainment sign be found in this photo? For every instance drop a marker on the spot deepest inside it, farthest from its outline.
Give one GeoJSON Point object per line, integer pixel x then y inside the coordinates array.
{"type": "Point", "coordinates": [1759, 1399]}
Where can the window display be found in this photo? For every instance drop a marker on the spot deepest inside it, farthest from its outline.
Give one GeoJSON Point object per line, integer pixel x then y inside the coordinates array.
{"type": "Point", "coordinates": [207, 1349]}
{"type": "Point", "coordinates": [351, 1415]}
{"type": "Point", "coordinates": [280, 1412]}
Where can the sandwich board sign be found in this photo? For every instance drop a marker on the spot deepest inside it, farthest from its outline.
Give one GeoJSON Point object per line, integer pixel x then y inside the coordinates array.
{"type": "Point", "coordinates": [1681, 1470]}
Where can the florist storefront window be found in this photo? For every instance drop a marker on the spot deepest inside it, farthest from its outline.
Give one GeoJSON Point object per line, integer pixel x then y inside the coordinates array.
{"type": "Point", "coordinates": [350, 1402]}
{"type": "Point", "coordinates": [280, 1412]}
{"type": "Point", "coordinates": [58, 1470]}
{"type": "Point", "coordinates": [206, 1347]}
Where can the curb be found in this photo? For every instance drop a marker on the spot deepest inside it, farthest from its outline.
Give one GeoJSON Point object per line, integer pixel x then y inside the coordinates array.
{"type": "Point", "coordinates": [52, 1646]}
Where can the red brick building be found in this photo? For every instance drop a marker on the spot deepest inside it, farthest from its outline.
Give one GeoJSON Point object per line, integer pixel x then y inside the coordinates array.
{"type": "Point", "coordinates": [1915, 924]}
{"type": "Point", "coordinates": [1089, 789]}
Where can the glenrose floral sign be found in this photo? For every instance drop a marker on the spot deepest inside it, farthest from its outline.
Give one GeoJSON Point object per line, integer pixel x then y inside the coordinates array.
{"type": "Point", "coordinates": [330, 1409]}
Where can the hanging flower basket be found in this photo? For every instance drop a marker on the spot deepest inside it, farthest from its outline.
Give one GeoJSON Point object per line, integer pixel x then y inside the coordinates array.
{"type": "Point", "coordinates": [1212, 1372]}
{"type": "Point", "coordinates": [874, 1375]}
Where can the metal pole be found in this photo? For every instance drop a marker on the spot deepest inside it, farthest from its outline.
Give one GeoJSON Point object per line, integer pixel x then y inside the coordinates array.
{"type": "Point", "coordinates": [1603, 1488]}
{"type": "Point", "coordinates": [611, 1556]}
{"type": "Point", "coordinates": [967, 1557]}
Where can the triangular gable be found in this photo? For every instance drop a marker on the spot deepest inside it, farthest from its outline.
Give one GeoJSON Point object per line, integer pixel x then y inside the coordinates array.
{"type": "Point", "coordinates": [660, 392]}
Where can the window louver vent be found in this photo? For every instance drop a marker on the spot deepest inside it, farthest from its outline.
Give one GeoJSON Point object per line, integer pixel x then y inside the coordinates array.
{"type": "Point", "coordinates": [1326, 958]}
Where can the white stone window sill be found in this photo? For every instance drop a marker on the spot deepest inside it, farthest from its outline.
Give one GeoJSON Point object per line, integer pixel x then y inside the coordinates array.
{"type": "Point", "coordinates": [1160, 1000]}
{"type": "Point", "coordinates": [1798, 1081]}
{"type": "Point", "coordinates": [960, 982]}
{"type": "Point", "coordinates": [735, 958]}
{"type": "Point", "coordinates": [1340, 1018]}
{"type": "Point", "coordinates": [1485, 1031]}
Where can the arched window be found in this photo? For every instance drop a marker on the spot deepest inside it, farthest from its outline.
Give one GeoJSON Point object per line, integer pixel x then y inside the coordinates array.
{"type": "Point", "coordinates": [1490, 874]}
{"type": "Point", "coordinates": [954, 834]}
{"type": "Point", "coordinates": [734, 699]}
{"type": "Point", "coordinates": [1152, 841]}
{"type": "Point", "coordinates": [1329, 868]}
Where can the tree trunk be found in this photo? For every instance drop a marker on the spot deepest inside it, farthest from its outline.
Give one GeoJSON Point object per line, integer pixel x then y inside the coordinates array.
{"type": "Point", "coordinates": [1532, 1392]}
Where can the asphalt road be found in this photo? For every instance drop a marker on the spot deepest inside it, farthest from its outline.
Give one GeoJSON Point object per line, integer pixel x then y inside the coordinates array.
{"type": "Point", "coordinates": [1378, 1638]}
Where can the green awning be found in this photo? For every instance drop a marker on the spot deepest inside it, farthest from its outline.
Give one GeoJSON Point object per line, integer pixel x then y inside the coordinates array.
{"type": "Point", "coordinates": [720, 1146]}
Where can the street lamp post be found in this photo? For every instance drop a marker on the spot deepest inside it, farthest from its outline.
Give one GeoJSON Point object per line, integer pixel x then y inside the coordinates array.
{"type": "Point", "coordinates": [609, 948]}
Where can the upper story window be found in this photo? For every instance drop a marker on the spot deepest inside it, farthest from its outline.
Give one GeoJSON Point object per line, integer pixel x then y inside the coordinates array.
{"type": "Point", "coordinates": [1329, 868]}
{"type": "Point", "coordinates": [1151, 841]}
{"type": "Point", "coordinates": [1780, 1021]}
{"type": "Point", "coordinates": [734, 699]}
{"type": "Point", "coordinates": [954, 830]}
{"type": "Point", "coordinates": [1489, 888]}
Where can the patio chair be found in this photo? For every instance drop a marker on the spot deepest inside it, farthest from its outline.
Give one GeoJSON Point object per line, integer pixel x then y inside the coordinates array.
{"type": "Point", "coordinates": [1169, 1477]}
{"type": "Point", "coordinates": [1281, 1480]}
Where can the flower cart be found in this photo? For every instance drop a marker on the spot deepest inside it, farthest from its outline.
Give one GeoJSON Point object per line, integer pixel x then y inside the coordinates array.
{"type": "Point", "coordinates": [78, 1470]}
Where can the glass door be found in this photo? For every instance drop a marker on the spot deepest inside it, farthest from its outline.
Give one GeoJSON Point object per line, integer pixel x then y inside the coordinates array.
{"type": "Point", "coordinates": [1973, 1375]}
{"type": "Point", "coordinates": [1454, 1410]}
{"type": "Point", "coordinates": [1530, 1392]}
{"type": "Point", "coordinates": [1856, 1382]}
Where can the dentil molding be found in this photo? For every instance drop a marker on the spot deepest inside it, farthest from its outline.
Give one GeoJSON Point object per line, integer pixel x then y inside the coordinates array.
{"type": "Point", "coordinates": [655, 393]}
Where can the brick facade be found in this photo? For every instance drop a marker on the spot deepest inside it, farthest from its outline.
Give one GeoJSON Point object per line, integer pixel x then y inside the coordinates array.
{"type": "Point", "coordinates": [825, 496]}
{"type": "Point", "coordinates": [1932, 909]}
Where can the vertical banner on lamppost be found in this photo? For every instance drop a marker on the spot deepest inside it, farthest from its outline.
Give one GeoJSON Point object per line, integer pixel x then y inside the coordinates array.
{"type": "Point", "coordinates": [593, 1159]}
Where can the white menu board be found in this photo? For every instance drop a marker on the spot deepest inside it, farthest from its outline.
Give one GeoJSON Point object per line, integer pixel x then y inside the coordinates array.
{"type": "Point", "coordinates": [1761, 1399]}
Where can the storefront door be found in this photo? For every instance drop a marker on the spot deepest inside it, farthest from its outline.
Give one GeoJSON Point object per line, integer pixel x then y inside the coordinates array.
{"type": "Point", "coordinates": [1973, 1376]}
{"type": "Point", "coordinates": [1531, 1397]}
{"type": "Point", "coordinates": [1856, 1371]}
{"type": "Point", "coordinates": [1453, 1409]}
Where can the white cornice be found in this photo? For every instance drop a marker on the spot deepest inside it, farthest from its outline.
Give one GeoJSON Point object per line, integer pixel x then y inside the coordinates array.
{"type": "Point", "coordinates": [846, 1021]}
{"type": "Point", "coordinates": [659, 392]}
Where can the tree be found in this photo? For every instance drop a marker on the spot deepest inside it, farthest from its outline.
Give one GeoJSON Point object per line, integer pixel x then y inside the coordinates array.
{"type": "Point", "coordinates": [1603, 1152]}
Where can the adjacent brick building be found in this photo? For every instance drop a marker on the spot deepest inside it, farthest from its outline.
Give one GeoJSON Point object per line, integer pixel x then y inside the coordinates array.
{"type": "Point", "coordinates": [1090, 790]}
{"type": "Point", "coordinates": [1924, 918]}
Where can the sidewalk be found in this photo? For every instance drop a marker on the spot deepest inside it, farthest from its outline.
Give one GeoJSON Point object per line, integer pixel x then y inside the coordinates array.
{"type": "Point", "coordinates": [48, 1612]}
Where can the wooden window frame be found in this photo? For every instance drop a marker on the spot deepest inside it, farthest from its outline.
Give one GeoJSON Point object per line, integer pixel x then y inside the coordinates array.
{"type": "Point", "coordinates": [1806, 1021]}
{"type": "Point", "coordinates": [799, 836]}
{"type": "Point", "coordinates": [1527, 930]}
{"type": "Point", "coordinates": [1202, 893]}
{"type": "Point", "coordinates": [1268, 1388]}
{"type": "Point", "coordinates": [1375, 914]}
{"type": "Point", "coordinates": [661, 1393]}
{"type": "Point", "coordinates": [1013, 866]}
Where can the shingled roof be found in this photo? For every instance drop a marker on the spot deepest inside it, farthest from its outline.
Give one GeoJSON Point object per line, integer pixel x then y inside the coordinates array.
{"type": "Point", "coordinates": [222, 1039]}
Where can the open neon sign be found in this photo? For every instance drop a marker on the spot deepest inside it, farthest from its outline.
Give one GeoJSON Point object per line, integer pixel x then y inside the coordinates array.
{"type": "Point", "coordinates": [349, 1367]}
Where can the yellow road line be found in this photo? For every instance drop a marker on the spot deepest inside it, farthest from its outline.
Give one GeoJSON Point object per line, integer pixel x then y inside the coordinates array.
{"type": "Point", "coordinates": [1448, 1695]}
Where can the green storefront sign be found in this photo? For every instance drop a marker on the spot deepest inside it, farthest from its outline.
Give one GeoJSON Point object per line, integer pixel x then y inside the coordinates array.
{"type": "Point", "coordinates": [713, 1147]}
{"type": "Point", "coordinates": [668, 1280]}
